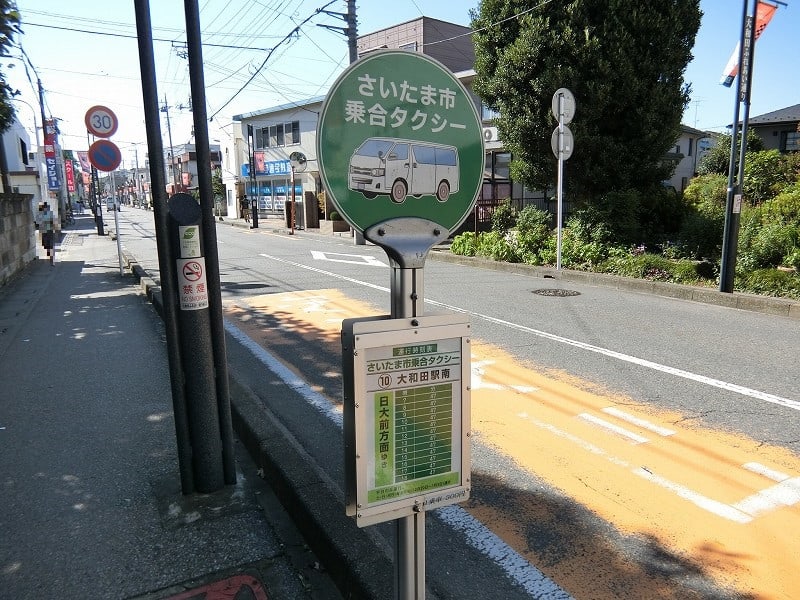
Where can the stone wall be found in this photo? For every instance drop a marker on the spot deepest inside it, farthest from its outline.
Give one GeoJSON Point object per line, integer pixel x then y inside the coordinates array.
{"type": "Point", "coordinates": [17, 234]}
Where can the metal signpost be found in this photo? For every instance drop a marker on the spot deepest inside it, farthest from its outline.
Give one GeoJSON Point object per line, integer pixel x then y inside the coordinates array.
{"type": "Point", "coordinates": [562, 143]}
{"type": "Point", "coordinates": [105, 156]}
{"type": "Point", "coordinates": [400, 149]}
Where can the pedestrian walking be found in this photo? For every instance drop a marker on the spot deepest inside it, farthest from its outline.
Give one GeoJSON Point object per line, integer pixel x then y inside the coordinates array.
{"type": "Point", "coordinates": [244, 207]}
{"type": "Point", "coordinates": [47, 228]}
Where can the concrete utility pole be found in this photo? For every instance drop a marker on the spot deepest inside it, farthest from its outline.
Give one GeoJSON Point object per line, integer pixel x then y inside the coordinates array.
{"type": "Point", "coordinates": [165, 109]}
{"type": "Point", "coordinates": [351, 32]}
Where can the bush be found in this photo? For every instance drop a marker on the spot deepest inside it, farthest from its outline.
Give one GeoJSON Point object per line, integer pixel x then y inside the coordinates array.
{"type": "Point", "coordinates": [497, 246]}
{"type": "Point", "coordinates": [334, 216]}
{"type": "Point", "coordinates": [465, 244]}
{"type": "Point", "coordinates": [764, 173]}
{"type": "Point", "coordinates": [770, 282]}
{"type": "Point", "coordinates": [533, 234]}
{"type": "Point", "coordinates": [767, 245]}
{"type": "Point", "coordinates": [504, 216]}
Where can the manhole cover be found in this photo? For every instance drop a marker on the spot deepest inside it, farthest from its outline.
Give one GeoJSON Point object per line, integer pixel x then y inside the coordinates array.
{"type": "Point", "coordinates": [555, 292]}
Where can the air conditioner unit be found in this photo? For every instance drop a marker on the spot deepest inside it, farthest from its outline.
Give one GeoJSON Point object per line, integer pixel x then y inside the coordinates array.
{"type": "Point", "coordinates": [490, 134]}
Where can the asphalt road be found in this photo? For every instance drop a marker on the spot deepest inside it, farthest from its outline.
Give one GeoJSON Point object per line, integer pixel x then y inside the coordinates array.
{"type": "Point", "coordinates": [625, 445]}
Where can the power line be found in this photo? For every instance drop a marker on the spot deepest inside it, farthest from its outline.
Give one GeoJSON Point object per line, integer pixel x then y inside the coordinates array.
{"type": "Point", "coordinates": [133, 37]}
{"type": "Point", "coordinates": [288, 36]}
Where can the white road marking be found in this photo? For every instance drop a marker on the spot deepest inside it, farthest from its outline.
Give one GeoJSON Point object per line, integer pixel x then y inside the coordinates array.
{"type": "Point", "coordinates": [616, 429]}
{"type": "Point", "coordinates": [662, 431]}
{"type": "Point", "coordinates": [354, 259]}
{"type": "Point", "coordinates": [785, 493]}
{"type": "Point", "coordinates": [730, 387]}
{"type": "Point", "coordinates": [765, 471]}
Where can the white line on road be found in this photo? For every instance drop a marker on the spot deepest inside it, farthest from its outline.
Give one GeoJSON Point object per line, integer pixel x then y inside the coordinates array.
{"type": "Point", "coordinates": [662, 431]}
{"type": "Point", "coordinates": [710, 381]}
{"type": "Point", "coordinates": [616, 429]}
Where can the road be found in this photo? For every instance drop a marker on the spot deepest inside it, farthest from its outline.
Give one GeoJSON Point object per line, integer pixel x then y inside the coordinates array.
{"type": "Point", "coordinates": [624, 445]}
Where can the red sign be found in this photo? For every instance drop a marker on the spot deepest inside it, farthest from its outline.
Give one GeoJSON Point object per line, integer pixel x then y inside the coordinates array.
{"type": "Point", "coordinates": [70, 175]}
{"type": "Point", "coordinates": [101, 121]}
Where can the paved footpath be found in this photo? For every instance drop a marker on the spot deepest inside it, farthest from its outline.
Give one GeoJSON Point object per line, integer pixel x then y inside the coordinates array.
{"type": "Point", "coordinates": [89, 481]}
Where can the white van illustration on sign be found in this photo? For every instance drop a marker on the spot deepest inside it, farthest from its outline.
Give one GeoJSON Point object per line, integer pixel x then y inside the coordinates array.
{"type": "Point", "coordinates": [402, 167]}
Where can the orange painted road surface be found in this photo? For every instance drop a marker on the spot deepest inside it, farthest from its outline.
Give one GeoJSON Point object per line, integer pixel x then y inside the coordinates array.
{"type": "Point", "coordinates": [720, 506]}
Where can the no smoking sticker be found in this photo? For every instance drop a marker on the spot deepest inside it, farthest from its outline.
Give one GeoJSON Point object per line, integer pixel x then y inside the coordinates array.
{"type": "Point", "coordinates": [192, 287]}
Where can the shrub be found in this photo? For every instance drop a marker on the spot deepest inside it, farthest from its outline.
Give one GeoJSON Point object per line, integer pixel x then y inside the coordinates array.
{"type": "Point", "coordinates": [767, 246]}
{"type": "Point", "coordinates": [770, 282]}
{"type": "Point", "coordinates": [497, 246]}
{"type": "Point", "coordinates": [765, 173]}
{"type": "Point", "coordinates": [532, 233]}
{"type": "Point", "coordinates": [334, 216]}
{"type": "Point", "coordinates": [504, 216]}
{"type": "Point", "coordinates": [465, 244]}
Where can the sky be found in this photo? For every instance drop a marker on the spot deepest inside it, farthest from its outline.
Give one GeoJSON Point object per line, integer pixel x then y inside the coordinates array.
{"type": "Point", "coordinates": [85, 53]}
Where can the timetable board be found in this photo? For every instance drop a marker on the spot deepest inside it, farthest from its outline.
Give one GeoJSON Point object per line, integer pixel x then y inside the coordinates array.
{"type": "Point", "coordinates": [406, 415]}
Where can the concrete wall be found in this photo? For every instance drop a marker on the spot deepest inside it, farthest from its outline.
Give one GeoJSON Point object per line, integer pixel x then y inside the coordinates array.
{"type": "Point", "coordinates": [17, 234]}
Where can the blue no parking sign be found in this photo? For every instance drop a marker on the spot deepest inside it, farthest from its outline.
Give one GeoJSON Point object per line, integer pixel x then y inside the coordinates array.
{"type": "Point", "coordinates": [105, 155]}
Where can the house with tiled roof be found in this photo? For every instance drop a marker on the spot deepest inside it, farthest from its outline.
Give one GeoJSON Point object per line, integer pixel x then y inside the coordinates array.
{"type": "Point", "coordinates": [779, 129]}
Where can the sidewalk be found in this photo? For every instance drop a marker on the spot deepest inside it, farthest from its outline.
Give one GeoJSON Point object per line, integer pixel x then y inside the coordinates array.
{"type": "Point", "coordinates": [89, 479]}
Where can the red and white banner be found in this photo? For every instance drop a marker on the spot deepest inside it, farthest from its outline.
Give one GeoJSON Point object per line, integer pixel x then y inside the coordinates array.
{"type": "Point", "coordinates": [70, 175]}
{"type": "Point", "coordinates": [764, 13]}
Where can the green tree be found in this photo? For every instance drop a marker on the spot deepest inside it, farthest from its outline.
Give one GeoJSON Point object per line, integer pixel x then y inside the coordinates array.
{"type": "Point", "coordinates": [718, 158]}
{"type": "Point", "coordinates": [9, 26]}
{"type": "Point", "coordinates": [624, 62]}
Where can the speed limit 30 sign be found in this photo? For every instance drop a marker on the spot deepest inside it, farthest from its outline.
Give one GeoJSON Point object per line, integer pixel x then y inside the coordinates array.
{"type": "Point", "coordinates": [101, 121]}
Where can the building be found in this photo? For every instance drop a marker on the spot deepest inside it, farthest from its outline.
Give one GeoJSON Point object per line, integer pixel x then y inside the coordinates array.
{"type": "Point", "coordinates": [779, 129]}
{"type": "Point", "coordinates": [448, 43]}
{"type": "Point", "coordinates": [182, 168]}
{"type": "Point", "coordinates": [689, 149]}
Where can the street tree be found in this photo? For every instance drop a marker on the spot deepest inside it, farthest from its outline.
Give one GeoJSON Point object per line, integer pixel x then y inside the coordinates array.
{"type": "Point", "coordinates": [9, 27]}
{"type": "Point", "coordinates": [623, 60]}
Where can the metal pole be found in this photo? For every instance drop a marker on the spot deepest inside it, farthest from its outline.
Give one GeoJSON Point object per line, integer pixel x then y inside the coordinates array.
{"type": "Point", "coordinates": [560, 182]}
{"type": "Point", "coordinates": [292, 212]}
{"type": "Point", "coordinates": [202, 148]}
{"type": "Point", "coordinates": [409, 565]}
{"type": "Point", "coordinates": [116, 222]}
{"type": "Point", "coordinates": [166, 260]}
{"type": "Point", "coordinates": [733, 197]}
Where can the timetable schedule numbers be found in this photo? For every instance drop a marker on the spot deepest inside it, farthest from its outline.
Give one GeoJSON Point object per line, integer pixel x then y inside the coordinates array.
{"type": "Point", "coordinates": [415, 407]}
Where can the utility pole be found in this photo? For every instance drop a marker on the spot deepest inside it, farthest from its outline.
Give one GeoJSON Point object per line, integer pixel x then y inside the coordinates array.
{"type": "Point", "coordinates": [351, 32]}
{"type": "Point", "coordinates": [165, 109]}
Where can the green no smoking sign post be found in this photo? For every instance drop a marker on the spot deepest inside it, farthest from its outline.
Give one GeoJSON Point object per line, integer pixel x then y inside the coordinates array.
{"type": "Point", "coordinates": [399, 137]}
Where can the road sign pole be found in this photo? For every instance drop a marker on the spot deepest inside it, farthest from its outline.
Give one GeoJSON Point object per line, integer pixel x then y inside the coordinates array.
{"type": "Point", "coordinates": [407, 242]}
{"type": "Point", "coordinates": [560, 182]}
{"type": "Point", "coordinates": [116, 223]}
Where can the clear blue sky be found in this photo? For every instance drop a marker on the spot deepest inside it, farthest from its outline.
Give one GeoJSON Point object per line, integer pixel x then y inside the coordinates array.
{"type": "Point", "coordinates": [80, 69]}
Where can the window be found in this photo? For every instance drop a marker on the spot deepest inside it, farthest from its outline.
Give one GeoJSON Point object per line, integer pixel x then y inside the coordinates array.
{"type": "Point", "coordinates": [279, 135]}
{"type": "Point", "coordinates": [792, 141]}
{"type": "Point", "coordinates": [487, 114]}
{"type": "Point", "coordinates": [292, 131]}
{"type": "Point", "coordinates": [691, 145]}
{"type": "Point", "coordinates": [24, 149]}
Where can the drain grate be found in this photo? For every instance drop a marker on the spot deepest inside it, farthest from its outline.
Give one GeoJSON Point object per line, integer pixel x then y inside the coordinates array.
{"type": "Point", "coordinates": [556, 293]}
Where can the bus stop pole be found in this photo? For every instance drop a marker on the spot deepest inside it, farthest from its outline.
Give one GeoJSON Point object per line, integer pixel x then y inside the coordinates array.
{"type": "Point", "coordinates": [409, 565]}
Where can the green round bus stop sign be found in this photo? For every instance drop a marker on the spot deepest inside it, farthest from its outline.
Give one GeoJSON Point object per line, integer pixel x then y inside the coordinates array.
{"type": "Point", "coordinates": [398, 137]}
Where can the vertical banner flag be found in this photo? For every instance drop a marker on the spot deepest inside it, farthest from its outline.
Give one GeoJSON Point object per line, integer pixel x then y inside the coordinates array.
{"type": "Point", "coordinates": [70, 175]}
{"type": "Point", "coordinates": [50, 141]}
{"type": "Point", "coordinates": [83, 158]}
{"type": "Point", "coordinates": [764, 12]}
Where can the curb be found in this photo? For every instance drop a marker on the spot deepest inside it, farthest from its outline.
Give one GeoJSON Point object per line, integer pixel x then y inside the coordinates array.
{"type": "Point", "coordinates": [752, 302]}
{"type": "Point", "coordinates": [354, 560]}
